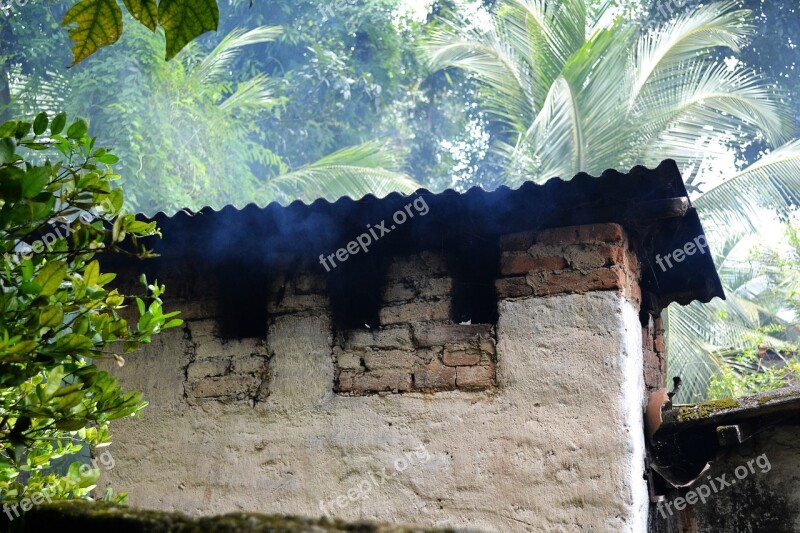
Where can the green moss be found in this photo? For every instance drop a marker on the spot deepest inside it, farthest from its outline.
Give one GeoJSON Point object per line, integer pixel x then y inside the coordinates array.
{"type": "Point", "coordinates": [98, 516]}
{"type": "Point", "coordinates": [771, 397]}
{"type": "Point", "coordinates": [704, 410]}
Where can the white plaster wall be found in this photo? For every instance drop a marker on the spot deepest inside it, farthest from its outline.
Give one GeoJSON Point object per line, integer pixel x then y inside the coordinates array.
{"type": "Point", "coordinates": [558, 447]}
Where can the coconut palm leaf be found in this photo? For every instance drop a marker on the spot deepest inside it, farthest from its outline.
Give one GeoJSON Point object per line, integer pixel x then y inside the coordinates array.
{"type": "Point", "coordinates": [215, 66]}
{"type": "Point", "coordinates": [680, 40]}
{"type": "Point", "coordinates": [369, 168]}
{"type": "Point", "coordinates": [487, 56]}
{"type": "Point", "coordinates": [771, 183]}
{"type": "Point", "coordinates": [252, 94]}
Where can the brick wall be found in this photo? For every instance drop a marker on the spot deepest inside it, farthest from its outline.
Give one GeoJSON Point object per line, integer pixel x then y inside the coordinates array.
{"type": "Point", "coordinates": [224, 370]}
{"type": "Point", "coordinates": [574, 259]}
{"type": "Point", "coordinates": [579, 259]}
{"type": "Point", "coordinates": [416, 347]}
{"type": "Point", "coordinates": [655, 356]}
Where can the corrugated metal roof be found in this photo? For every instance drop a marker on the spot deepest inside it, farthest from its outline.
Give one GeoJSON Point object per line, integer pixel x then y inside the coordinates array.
{"type": "Point", "coordinates": [643, 200]}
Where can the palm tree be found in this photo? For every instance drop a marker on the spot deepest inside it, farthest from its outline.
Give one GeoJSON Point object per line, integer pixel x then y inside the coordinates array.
{"type": "Point", "coordinates": [574, 88]}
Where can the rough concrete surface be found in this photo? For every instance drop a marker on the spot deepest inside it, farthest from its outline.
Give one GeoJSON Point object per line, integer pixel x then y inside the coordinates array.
{"type": "Point", "coordinates": [557, 446]}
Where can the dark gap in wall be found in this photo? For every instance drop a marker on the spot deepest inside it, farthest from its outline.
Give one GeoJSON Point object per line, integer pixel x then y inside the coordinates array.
{"type": "Point", "coordinates": [242, 292]}
{"type": "Point", "coordinates": [355, 289]}
{"type": "Point", "coordinates": [474, 267]}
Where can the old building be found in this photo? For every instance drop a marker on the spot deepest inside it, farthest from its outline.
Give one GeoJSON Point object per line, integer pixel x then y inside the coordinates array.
{"type": "Point", "coordinates": [477, 360]}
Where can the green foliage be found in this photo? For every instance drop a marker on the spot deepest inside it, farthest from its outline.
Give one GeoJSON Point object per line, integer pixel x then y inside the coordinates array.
{"type": "Point", "coordinates": [573, 87]}
{"type": "Point", "coordinates": [747, 373]}
{"type": "Point", "coordinates": [576, 91]}
{"type": "Point", "coordinates": [58, 210]}
{"type": "Point", "coordinates": [183, 130]}
{"type": "Point", "coordinates": [98, 23]}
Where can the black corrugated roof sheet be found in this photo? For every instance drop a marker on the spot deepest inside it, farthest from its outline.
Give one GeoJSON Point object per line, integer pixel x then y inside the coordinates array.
{"type": "Point", "coordinates": [275, 236]}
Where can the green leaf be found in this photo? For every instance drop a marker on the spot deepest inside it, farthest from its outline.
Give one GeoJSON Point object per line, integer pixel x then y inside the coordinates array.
{"type": "Point", "coordinates": [68, 389]}
{"type": "Point", "coordinates": [183, 20]}
{"type": "Point", "coordinates": [73, 342]}
{"type": "Point", "coordinates": [78, 129]}
{"type": "Point", "coordinates": [145, 11]}
{"type": "Point", "coordinates": [40, 123]}
{"type": "Point", "coordinates": [51, 276]}
{"type": "Point", "coordinates": [7, 148]}
{"type": "Point", "coordinates": [23, 128]}
{"type": "Point", "coordinates": [98, 24]}
{"type": "Point", "coordinates": [58, 123]}
{"type": "Point", "coordinates": [54, 378]}
{"type": "Point", "coordinates": [70, 399]}
{"type": "Point", "coordinates": [51, 316]}
{"type": "Point", "coordinates": [34, 181]}
{"type": "Point", "coordinates": [8, 128]}
{"type": "Point", "coordinates": [116, 198]}
{"type": "Point", "coordinates": [27, 269]}
{"type": "Point", "coordinates": [29, 287]}
{"type": "Point", "coordinates": [23, 347]}
{"type": "Point", "coordinates": [91, 273]}
{"type": "Point", "coordinates": [108, 159]}
{"type": "Point", "coordinates": [70, 424]}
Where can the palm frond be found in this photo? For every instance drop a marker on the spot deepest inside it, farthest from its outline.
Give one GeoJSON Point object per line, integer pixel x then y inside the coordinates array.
{"type": "Point", "coordinates": [554, 142]}
{"type": "Point", "coordinates": [254, 93]}
{"type": "Point", "coordinates": [688, 37]}
{"type": "Point", "coordinates": [709, 101]}
{"type": "Point", "coordinates": [494, 62]}
{"type": "Point", "coordinates": [770, 184]}
{"type": "Point", "coordinates": [369, 168]}
{"type": "Point", "coordinates": [546, 33]}
{"type": "Point", "coordinates": [698, 335]}
{"type": "Point", "coordinates": [214, 66]}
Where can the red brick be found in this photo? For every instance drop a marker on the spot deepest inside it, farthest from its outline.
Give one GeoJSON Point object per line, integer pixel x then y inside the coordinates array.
{"type": "Point", "coordinates": [231, 386]}
{"type": "Point", "coordinates": [418, 266]}
{"type": "Point", "coordinates": [249, 364]}
{"type": "Point", "coordinates": [577, 282]}
{"type": "Point", "coordinates": [389, 359]}
{"type": "Point", "coordinates": [310, 284]}
{"type": "Point", "coordinates": [524, 263]}
{"type": "Point", "coordinates": [461, 355]}
{"type": "Point", "coordinates": [212, 366]}
{"type": "Point", "coordinates": [597, 256]}
{"type": "Point", "coordinates": [434, 377]}
{"type": "Point", "coordinates": [387, 338]}
{"type": "Point", "coordinates": [593, 233]}
{"type": "Point", "coordinates": [401, 291]}
{"type": "Point", "coordinates": [565, 235]}
{"type": "Point", "coordinates": [512, 288]}
{"type": "Point", "coordinates": [647, 338]}
{"type": "Point", "coordinates": [347, 360]}
{"type": "Point", "coordinates": [475, 377]}
{"type": "Point", "coordinates": [415, 312]}
{"type": "Point", "coordinates": [377, 381]}
{"type": "Point", "coordinates": [435, 288]}
{"type": "Point", "coordinates": [603, 233]}
{"type": "Point", "coordinates": [519, 242]}
{"type": "Point", "coordinates": [297, 303]}
{"type": "Point", "coordinates": [660, 344]}
{"type": "Point", "coordinates": [441, 334]}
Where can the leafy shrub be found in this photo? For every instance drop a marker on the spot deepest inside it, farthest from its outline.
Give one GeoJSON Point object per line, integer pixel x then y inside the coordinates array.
{"type": "Point", "coordinates": [58, 210]}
